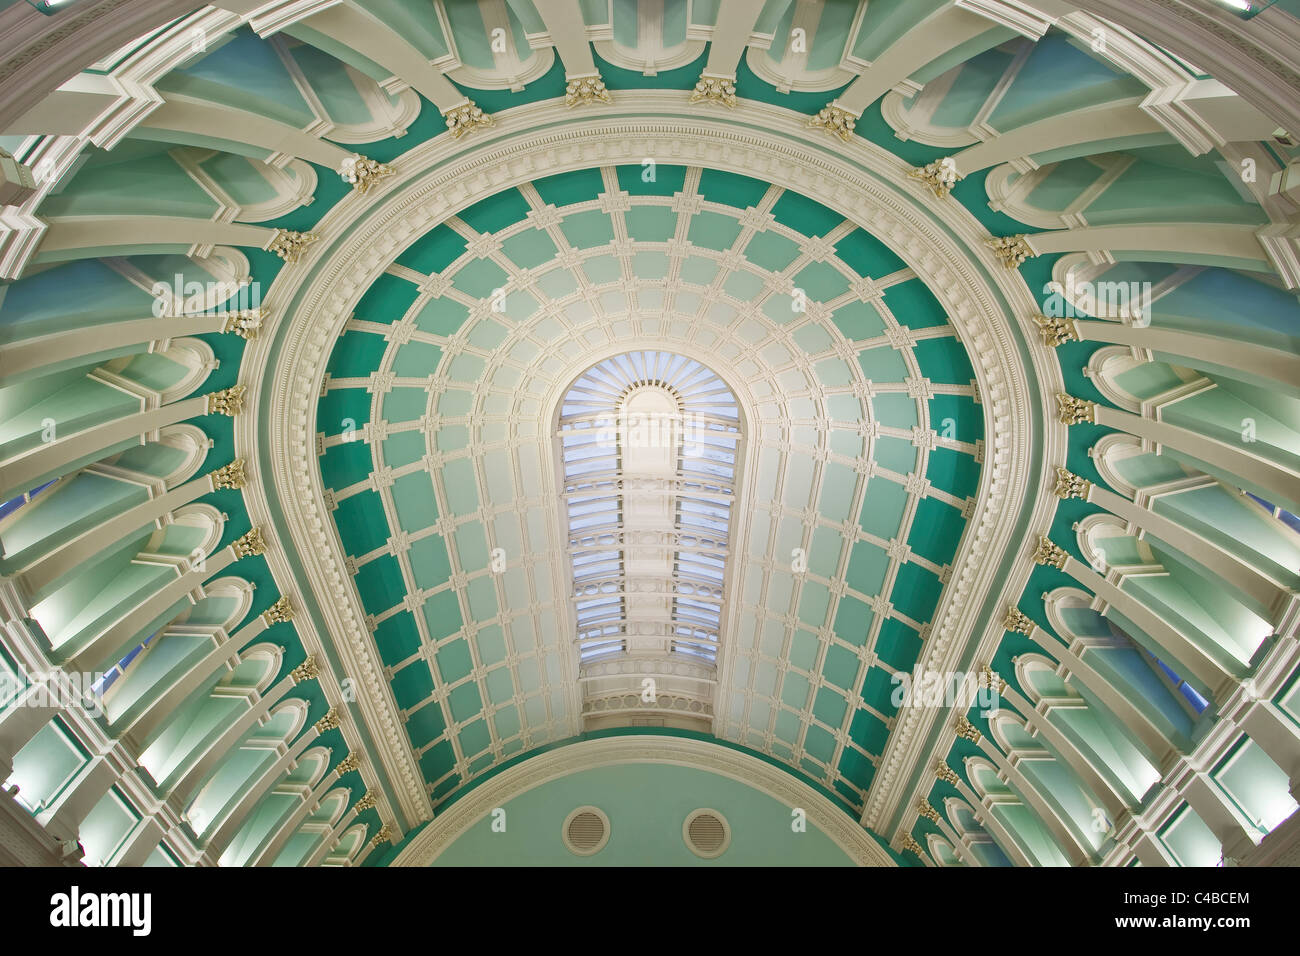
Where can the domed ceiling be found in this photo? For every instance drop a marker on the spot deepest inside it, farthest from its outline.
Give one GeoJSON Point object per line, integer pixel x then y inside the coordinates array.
{"type": "Point", "coordinates": [979, 298]}
{"type": "Point", "coordinates": [863, 451]}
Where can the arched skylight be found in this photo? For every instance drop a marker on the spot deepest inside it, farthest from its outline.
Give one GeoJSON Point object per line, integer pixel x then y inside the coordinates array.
{"type": "Point", "coordinates": [649, 443]}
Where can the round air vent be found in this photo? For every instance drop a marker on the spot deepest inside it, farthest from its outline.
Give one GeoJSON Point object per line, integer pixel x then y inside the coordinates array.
{"type": "Point", "coordinates": [586, 831]}
{"type": "Point", "coordinates": [706, 833]}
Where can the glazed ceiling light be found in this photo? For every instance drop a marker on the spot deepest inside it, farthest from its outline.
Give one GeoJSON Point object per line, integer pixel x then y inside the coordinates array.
{"type": "Point", "coordinates": [406, 406]}
{"type": "Point", "coordinates": [649, 449]}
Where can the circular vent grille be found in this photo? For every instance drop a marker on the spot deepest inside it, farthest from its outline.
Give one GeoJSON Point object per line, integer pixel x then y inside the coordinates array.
{"type": "Point", "coordinates": [706, 833]}
{"type": "Point", "coordinates": [586, 831]}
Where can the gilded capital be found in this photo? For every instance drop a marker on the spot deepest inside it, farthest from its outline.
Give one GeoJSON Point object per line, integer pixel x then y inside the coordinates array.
{"type": "Point", "coordinates": [940, 175]}
{"type": "Point", "coordinates": [329, 722]}
{"type": "Point", "coordinates": [362, 173]}
{"type": "Point", "coordinates": [465, 119]}
{"type": "Point", "coordinates": [365, 803]}
{"type": "Point", "coordinates": [244, 323]}
{"type": "Point", "coordinates": [1075, 411]}
{"type": "Point", "coordinates": [250, 545]}
{"type": "Point", "coordinates": [348, 764]}
{"type": "Point", "coordinates": [1055, 330]}
{"type": "Point", "coordinates": [228, 401]}
{"type": "Point", "coordinates": [945, 773]}
{"type": "Point", "coordinates": [1070, 485]}
{"type": "Point", "coordinates": [966, 730]}
{"type": "Point", "coordinates": [1018, 621]}
{"type": "Point", "coordinates": [582, 90]}
{"type": "Point", "coordinates": [910, 845]}
{"type": "Point", "coordinates": [1048, 553]}
{"type": "Point", "coordinates": [229, 476]}
{"type": "Point", "coordinates": [288, 245]}
{"type": "Point", "coordinates": [715, 89]}
{"type": "Point", "coordinates": [927, 811]}
{"type": "Point", "coordinates": [305, 671]}
{"type": "Point", "coordinates": [384, 835]}
{"type": "Point", "coordinates": [990, 679]}
{"type": "Point", "coordinates": [1012, 251]}
{"type": "Point", "coordinates": [281, 612]}
{"type": "Point", "coordinates": [835, 120]}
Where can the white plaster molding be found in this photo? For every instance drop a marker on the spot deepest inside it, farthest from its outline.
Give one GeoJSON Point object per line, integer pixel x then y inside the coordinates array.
{"type": "Point", "coordinates": [1014, 15]}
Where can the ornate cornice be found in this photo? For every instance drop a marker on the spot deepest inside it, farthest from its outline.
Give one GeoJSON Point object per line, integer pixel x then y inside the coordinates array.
{"type": "Point", "coordinates": [427, 845]}
{"type": "Point", "coordinates": [441, 177]}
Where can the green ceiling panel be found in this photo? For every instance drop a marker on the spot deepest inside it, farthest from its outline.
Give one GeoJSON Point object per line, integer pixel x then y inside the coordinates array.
{"type": "Point", "coordinates": [830, 708]}
{"type": "Point", "coordinates": [650, 223]}
{"type": "Point", "coordinates": [866, 255]}
{"type": "Point", "coordinates": [429, 561]}
{"type": "Point", "coordinates": [883, 364]}
{"type": "Point", "coordinates": [858, 321]}
{"type": "Point", "coordinates": [944, 361]}
{"type": "Point", "coordinates": [898, 645]}
{"type": "Point", "coordinates": [413, 499]}
{"type": "Point", "coordinates": [356, 355]}
{"type": "Point", "coordinates": [361, 522]}
{"type": "Point", "coordinates": [480, 278]}
{"type": "Point", "coordinates": [841, 667]}
{"type": "Point", "coordinates": [936, 530]}
{"type": "Point", "coordinates": [454, 661]}
{"type": "Point", "coordinates": [380, 584]}
{"type": "Point", "coordinates": [441, 316]}
{"type": "Point", "coordinates": [568, 188]}
{"type": "Point", "coordinates": [345, 464]}
{"type": "Point", "coordinates": [895, 410]}
{"type": "Point", "coordinates": [442, 614]}
{"type": "Point", "coordinates": [412, 684]}
{"type": "Point", "coordinates": [818, 741]}
{"type": "Point", "coordinates": [896, 454]}
{"type": "Point", "coordinates": [434, 251]}
{"type": "Point", "coordinates": [867, 567]}
{"type": "Point", "coordinates": [438, 760]}
{"type": "Point", "coordinates": [425, 725]}
{"type": "Point", "coordinates": [496, 212]}
{"type": "Point", "coordinates": [882, 507]}
{"type": "Point", "coordinates": [914, 305]}
{"type": "Point", "coordinates": [853, 621]}
{"type": "Point", "coordinates": [397, 638]}
{"type": "Point", "coordinates": [464, 702]}
{"type": "Point", "coordinates": [916, 592]}
{"type": "Point", "coordinates": [857, 769]}
{"type": "Point", "coordinates": [731, 189]}
{"type": "Point", "coordinates": [530, 248]}
{"type": "Point", "coordinates": [821, 282]}
{"type": "Point", "coordinates": [713, 230]}
{"type": "Point", "coordinates": [869, 731]}
{"type": "Point", "coordinates": [771, 251]}
{"type": "Point", "coordinates": [386, 300]}
{"type": "Point", "coordinates": [343, 408]}
{"type": "Point", "coordinates": [475, 738]}
{"type": "Point", "coordinates": [652, 179]}
{"type": "Point", "coordinates": [954, 472]}
{"type": "Point", "coordinates": [805, 215]}
{"type": "Point", "coordinates": [586, 230]}
{"type": "Point", "coordinates": [406, 404]}
{"type": "Point", "coordinates": [957, 416]}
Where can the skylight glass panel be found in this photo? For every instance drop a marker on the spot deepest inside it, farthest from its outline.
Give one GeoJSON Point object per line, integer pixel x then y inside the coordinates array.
{"type": "Point", "coordinates": [649, 442]}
